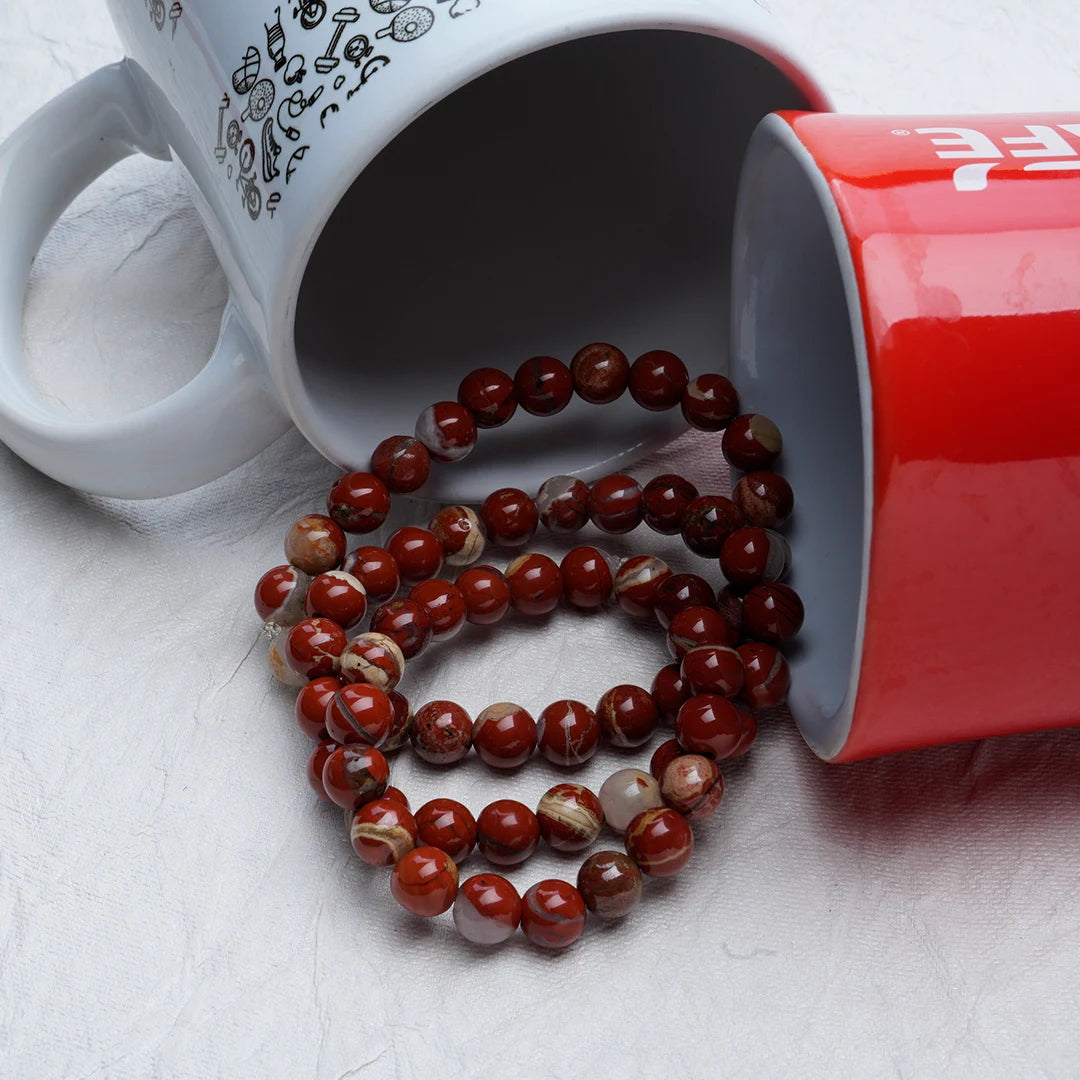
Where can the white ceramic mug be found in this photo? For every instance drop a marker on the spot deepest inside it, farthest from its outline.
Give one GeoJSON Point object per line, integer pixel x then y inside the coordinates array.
{"type": "Point", "coordinates": [399, 192]}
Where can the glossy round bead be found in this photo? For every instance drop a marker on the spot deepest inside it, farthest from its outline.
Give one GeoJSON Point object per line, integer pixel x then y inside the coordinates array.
{"type": "Point", "coordinates": [697, 626]}
{"type": "Point", "coordinates": [665, 500]}
{"type": "Point", "coordinates": [660, 841]}
{"type": "Point", "coordinates": [401, 729]}
{"type": "Point", "coordinates": [568, 733]}
{"type": "Point", "coordinates": [382, 831]}
{"type": "Point", "coordinates": [658, 380]}
{"type": "Point", "coordinates": [669, 691]}
{"type": "Point", "coordinates": [376, 569]}
{"type": "Point", "coordinates": [570, 817]}
{"type": "Point", "coordinates": [313, 647]}
{"type": "Point", "coordinates": [279, 595]}
{"type": "Point", "coordinates": [713, 669]}
{"type": "Point", "coordinates": [615, 504]}
{"type": "Point", "coordinates": [441, 732]}
{"type": "Point", "coordinates": [563, 504]}
{"type": "Point", "coordinates": [625, 794]}
{"type": "Point", "coordinates": [746, 740]}
{"type": "Point", "coordinates": [405, 622]}
{"type": "Point", "coordinates": [752, 555]}
{"type": "Point", "coordinates": [628, 715]}
{"type": "Point", "coordinates": [396, 795]}
{"type": "Point", "coordinates": [275, 655]}
{"type": "Point", "coordinates": [636, 584]}
{"type": "Point", "coordinates": [417, 552]}
{"type": "Point", "coordinates": [459, 531]}
{"type": "Point", "coordinates": [315, 544]}
{"type": "Point", "coordinates": [764, 498]}
{"type": "Point", "coordinates": [510, 517]}
{"type": "Point", "coordinates": [316, 761]}
{"type": "Point", "coordinates": [710, 402]}
{"type": "Point", "coordinates": [610, 883]}
{"type": "Point", "coordinates": [601, 373]}
{"type": "Point", "coordinates": [709, 521]}
{"type": "Point", "coordinates": [679, 592]}
{"type": "Point", "coordinates": [402, 463]}
{"type": "Point", "coordinates": [489, 395]}
{"type": "Point", "coordinates": [504, 735]}
{"type": "Point", "coordinates": [536, 584]}
{"type": "Point", "coordinates": [768, 676]}
{"type": "Point", "coordinates": [663, 756]}
{"type": "Point", "coordinates": [552, 914]}
{"type": "Point", "coordinates": [709, 724]}
{"type": "Point", "coordinates": [487, 910]}
{"type": "Point", "coordinates": [374, 659]}
{"type": "Point", "coordinates": [359, 502]}
{"type": "Point", "coordinates": [772, 613]}
{"type": "Point", "coordinates": [486, 595]}
{"type": "Point", "coordinates": [543, 386]}
{"type": "Point", "coordinates": [751, 441]}
{"type": "Point", "coordinates": [337, 596]}
{"type": "Point", "coordinates": [448, 430]}
{"type": "Point", "coordinates": [447, 825]}
{"type": "Point", "coordinates": [359, 713]}
{"type": "Point", "coordinates": [356, 774]}
{"type": "Point", "coordinates": [507, 832]}
{"type": "Point", "coordinates": [729, 604]}
{"type": "Point", "coordinates": [424, 881]}
{"type": "Point", "coordinates": [587, 578]}
{"type": "Point", "coordinates": [311, 705]}
{"type": "Point", "coordinates": [444, 604]}
{"type": "Point", "coordinates": [692, 785]}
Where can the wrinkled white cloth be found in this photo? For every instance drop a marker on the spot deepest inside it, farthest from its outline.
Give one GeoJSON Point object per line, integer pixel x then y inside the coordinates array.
{"type": "Point", "coordinates": [173, 903]}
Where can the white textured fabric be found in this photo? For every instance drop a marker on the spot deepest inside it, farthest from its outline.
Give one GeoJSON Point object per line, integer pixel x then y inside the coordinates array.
{"type": "Point", "coordinates": [174, 904]}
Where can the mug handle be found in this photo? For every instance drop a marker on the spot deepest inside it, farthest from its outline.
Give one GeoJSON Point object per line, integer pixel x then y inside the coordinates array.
{"type": "Point", "coordinates": [220, 419]}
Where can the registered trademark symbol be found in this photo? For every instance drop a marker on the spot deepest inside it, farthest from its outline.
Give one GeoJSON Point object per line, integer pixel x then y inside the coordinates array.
{"type": "Point", "coordinates": [901, 131]}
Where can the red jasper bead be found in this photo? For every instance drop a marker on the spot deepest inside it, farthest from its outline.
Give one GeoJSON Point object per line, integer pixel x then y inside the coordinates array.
{"type": "Point", "coordinates": [663, 756]}
{"type": "Point", "coordinates": [729, 604]}
{"type": "Point", "coordinates": [315, 544]}
{"type": "Point", "coordinates": [504, 735]}
{"type": "Point", "coordinates": [570, 817]}
{"type": "Point", "coordinates": [441, 732]}
{"type": "Point", "coordinates": [405, 622]}
{"type": "Point", "coordinates": [764, 498]}
{"type": "Point", "coordinates": [359, 502]}
{"type": "Point", "coordinates": [313, 647]}
{"type": "Point", "coordinates": [710, 402]}
{"type": "Point", "coordinates": [486, 595]}
{"type": "Point", "coordinates": [692, 786]}
{"type": "Point", "coordinates": [568, 733]}
{"type": "Point", "coordinates": [444, 604]}
{"type": "Point", "coordinates": [510, 517]}
{"type": "Point", "coordinates": [679, 592]}
{"type": "Point", "coordinates": [563, 504]}
{"type": "Point", "coordinates": [424, 881]}
{"type": "Point", "coordinates": [709, 724]}
{"type": "Point", "coordinates": [382, 831]}
{"type": "Point", "coordinates": [697, 626]}
{"type": "Point", "coordinates": [746, 740]}
{"type": "Point", "coordinates": [751, 441]}
{"type": "Point", "coordinates": [660, 841]}
{"type": "Point", "coordinates": [713, 669]}
{"type": "Point", "coordinates": [507, 832]}
{"type": "Point", "coordinates": [772, 613]}
{"type": "Point", "coordinates": [768, 676]}
{"type": "Point", "coordinates": [359, 713]}
{"type": "Point", "coordinates": [402, 463]}
{"type": "Point", "coordinates": [709, 521]}
{"type": "Point", "coordinates": [628, 715]}
{"type": "Point", "coordinates": [354, 775]}
{"type": "Point", "coordinates": [657, 380]}
{"type": "Point", "coordinates": [669, 691]}
{"type": "Point", "coordinates": [636, 584]}
{"type": "Point", "coordinates": [553, 914]}
{"type": "Point", "coordinates": [601, 373]}
{"type": "Point", "coordinates": [279, 595]}
{"type": "Point", "coordinates": [311, 704]}
{"type": "Point", "coordinates": [587, 579]}
{"type": "Point", "coordinates": [374, 659]}
{"type": "Point", "coordinates": [489, 395]}
{"type": "Point", "coordinates": [615, 503]}
{"type": "Point", "coordinates": [417, 552]}
{"type": "Point", "coordinates": [536, 584]}
{"type": "Point", "coordinates": [396, 795]}
{"type": "Point", "coordinates": [448, 430]}
{"type": "Point", "coordinates": [448, 826]}
{"type": "Point", "coordinates": [459, 531]}
{"type": "Point", "coordinates": [666, 500]}
{"type": "Point", "coordinates": [487, 910]}
{"type": "Point", "coordinates": [376, 569]}
{"type": "Point", "coordinates": [543, 386]}
{"type": "Point", "coordinates": [753, 555]}
{"type": "Point", "coordinates": [337, 596]}
{"type": "Point", "coordinates": [316, 761]}
{"type": "Point", "coordinates": [610, 883]}
{"type": "Point", "coordinates": [401, 729]}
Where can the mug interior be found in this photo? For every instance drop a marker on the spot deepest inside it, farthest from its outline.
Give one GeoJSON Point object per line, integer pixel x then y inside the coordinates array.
{"type": "Point", "coordinates": [583, 192]}
{"type": "Point", "coordinates": [799, 357]}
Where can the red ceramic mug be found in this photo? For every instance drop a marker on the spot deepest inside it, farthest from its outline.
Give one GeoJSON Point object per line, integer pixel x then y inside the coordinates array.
{"type": "Point", "coordinates": [907, 308]}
